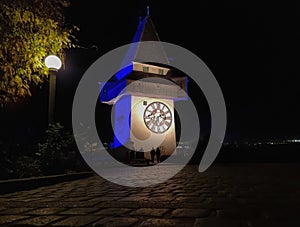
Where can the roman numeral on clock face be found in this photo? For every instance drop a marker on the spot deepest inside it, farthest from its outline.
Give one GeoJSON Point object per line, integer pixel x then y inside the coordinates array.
{"type": "Point", "coordinates": [157, 117]}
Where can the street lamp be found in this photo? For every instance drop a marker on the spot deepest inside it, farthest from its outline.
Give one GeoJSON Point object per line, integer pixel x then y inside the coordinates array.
{"type": "Point", "coordinates": [53, 63]}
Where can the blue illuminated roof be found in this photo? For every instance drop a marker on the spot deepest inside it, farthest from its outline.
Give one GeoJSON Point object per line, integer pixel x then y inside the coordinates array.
{"type": "Point", "coordinates": [145, 32]}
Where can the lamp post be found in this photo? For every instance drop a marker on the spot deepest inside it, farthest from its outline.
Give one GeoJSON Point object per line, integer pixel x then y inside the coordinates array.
{"type": "Point", "coordinates": [53, 63]}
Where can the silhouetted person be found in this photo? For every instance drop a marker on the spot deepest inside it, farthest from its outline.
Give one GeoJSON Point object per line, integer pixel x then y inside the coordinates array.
{"type": "Point", "coordinates": [152, 153]}
{"type": "Point", "coordinates": [158, 154]}
{"type": "Point", "coordinates": [132, 154]}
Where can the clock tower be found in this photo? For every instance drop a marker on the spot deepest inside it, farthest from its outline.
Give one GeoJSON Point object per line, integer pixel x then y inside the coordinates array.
{"type": "Point", "coordinates": [143, 95]}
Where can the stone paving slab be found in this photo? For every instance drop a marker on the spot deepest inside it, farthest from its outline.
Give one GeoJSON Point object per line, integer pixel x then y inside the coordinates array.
{"type": "Point", "coordinates": [246, 195]}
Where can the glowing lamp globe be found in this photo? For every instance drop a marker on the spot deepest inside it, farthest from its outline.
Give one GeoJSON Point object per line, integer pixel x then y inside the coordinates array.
{"type": "Point", "coordinates": [53, 62]}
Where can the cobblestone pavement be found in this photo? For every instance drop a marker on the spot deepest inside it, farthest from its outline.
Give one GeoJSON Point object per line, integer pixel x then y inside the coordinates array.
{"type": "Point", "coordinates": [225, 195]}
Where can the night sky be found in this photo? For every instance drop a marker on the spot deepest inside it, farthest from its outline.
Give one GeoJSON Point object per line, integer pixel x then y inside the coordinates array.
{"type": "Point", "coordinates": [252, 49]}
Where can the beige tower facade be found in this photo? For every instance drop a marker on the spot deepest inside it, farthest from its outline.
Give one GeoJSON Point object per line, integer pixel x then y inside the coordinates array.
{"type": "Point", "coordinates": [154, 130]}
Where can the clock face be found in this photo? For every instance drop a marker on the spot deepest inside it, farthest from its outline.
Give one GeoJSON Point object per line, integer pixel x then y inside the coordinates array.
{"type": "Point", "coordinates": [157, 117]}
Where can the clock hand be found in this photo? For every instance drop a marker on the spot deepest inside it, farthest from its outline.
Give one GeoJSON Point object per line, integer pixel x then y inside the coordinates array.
{"type": "Point", "coordinates": [150, 116]}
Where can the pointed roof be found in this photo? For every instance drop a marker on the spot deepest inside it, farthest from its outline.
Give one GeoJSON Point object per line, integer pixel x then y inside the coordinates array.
{"type": "Point", "coordinates": [145, 32]}
{"type": "Point", "coordinates": [136, 58]}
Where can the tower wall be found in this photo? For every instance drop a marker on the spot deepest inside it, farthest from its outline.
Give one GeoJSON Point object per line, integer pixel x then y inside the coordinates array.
{"type": "Point", "coordinates": [121, 123]}
{"type": "Point", "coordinates": [144, 138]}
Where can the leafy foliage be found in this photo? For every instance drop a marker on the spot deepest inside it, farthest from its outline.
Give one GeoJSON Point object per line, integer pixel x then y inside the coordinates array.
{"type": "Point", "coordinates": [16, 161]}
{"type": "Point", "coordinates": [57, 151]}
{"type": "Point", "coordinates": [30, 30]}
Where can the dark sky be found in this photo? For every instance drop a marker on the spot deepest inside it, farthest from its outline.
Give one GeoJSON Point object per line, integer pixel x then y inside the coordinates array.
{"type": "Point", "coordinates": [251, 48]}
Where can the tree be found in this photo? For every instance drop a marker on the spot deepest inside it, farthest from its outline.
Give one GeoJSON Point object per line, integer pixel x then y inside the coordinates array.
{"type": "Point", "coordinates": [29, 31]}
